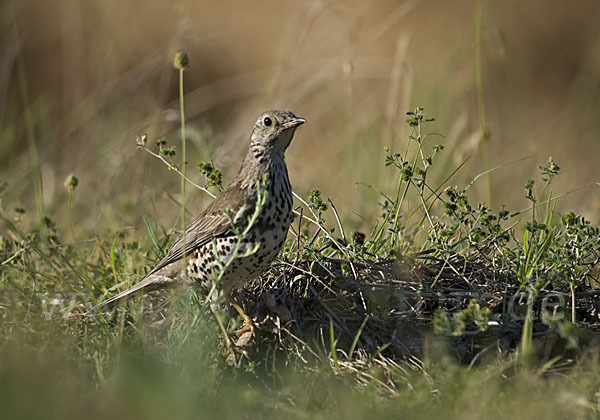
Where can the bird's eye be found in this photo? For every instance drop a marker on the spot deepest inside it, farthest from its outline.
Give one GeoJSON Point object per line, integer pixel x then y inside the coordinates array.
{"type": "Point", "coordinates": [267, 121]}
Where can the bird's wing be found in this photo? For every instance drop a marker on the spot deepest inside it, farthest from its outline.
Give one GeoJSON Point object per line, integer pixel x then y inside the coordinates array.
{"type": "Point", "coordinates": [211, 223]}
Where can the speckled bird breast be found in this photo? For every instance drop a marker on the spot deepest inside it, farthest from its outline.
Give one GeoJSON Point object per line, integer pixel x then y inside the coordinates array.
{"type": "Point", "coordinates": [259, 247]}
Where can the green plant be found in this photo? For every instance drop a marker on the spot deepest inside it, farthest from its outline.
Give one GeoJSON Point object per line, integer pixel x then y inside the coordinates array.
{"type": "Point", "coordinates": [70, 184]}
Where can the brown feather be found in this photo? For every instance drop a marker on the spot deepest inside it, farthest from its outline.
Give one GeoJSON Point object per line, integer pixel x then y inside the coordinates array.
{"type": "Point", "coordinates": [211, 223]}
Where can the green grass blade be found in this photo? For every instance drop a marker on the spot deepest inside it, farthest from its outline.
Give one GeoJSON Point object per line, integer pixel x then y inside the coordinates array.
{"type": "Point", "coordinates": [332, 343]}
{"type": "Point", "coordinates": [159, 248]}
{"type": "Point", "coordinates": [113, 263]}
{"type": "Point", "coordinates": [357, 336]}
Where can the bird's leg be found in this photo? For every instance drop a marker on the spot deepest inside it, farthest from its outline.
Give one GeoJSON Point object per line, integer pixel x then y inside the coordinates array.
{"type": "Point", "coordinates": [248, 324]}
{"type": "Point", "coordinates": [232, 351]}
{"type": "Point", "coordinates": [223, 329]}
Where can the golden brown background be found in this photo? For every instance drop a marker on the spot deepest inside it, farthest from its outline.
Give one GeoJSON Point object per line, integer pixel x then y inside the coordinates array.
{"type": "Point", "coordinates": [80, 79]}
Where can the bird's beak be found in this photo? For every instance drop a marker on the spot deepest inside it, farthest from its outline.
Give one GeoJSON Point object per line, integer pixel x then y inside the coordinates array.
{"type": "Point", "coordinates": [294, 123]}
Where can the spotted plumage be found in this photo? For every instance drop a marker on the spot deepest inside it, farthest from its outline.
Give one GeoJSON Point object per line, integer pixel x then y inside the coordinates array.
{"type": "Point", "coordinates": [210, 240]}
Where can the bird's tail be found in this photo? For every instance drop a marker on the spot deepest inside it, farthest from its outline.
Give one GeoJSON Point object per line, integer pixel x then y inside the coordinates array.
{"type": "Point", "coordinates": [150, 283]}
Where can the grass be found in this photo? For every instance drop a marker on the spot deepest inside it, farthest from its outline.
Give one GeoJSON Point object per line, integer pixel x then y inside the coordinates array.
{"type": "Point", "coordinates": [413, 301]}
{"type": "Point", "coordinates": [342, 355]}
{"type": "Point", "coordinates": [180, 63]}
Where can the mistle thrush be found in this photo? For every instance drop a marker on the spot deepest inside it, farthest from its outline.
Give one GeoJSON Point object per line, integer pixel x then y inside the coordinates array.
{"type": "Point", "coordinates": [235, 236]}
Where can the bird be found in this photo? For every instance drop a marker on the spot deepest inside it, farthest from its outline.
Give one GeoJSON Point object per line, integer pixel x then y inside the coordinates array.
{"type": "Point", "coordinates": [236, 238]}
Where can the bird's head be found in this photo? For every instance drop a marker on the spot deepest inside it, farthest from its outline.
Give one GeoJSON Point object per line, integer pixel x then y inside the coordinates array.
{"type": "Point", "coordinates": [273, 131]}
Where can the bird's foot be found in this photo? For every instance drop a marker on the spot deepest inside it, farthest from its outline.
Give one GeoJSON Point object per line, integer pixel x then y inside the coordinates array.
{"type": "Point", "coordinates": [247, 325]}
{"type": "Point", "coordinates": [234, 355]}
{"type": "Point", "coordinates": [236, 351]}
{"type": "Point", "coordinates": [246, 333]}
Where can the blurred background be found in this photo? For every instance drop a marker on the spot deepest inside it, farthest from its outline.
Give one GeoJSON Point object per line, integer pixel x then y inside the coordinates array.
{"type": "Point", "coordinates": [79, 80]}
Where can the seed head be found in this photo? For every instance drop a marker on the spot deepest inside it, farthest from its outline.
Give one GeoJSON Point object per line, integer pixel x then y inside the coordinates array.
{"type": "Point", "coordinates": [181, 60]}
{"type": "Point", "coordinates": [71, 182]}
